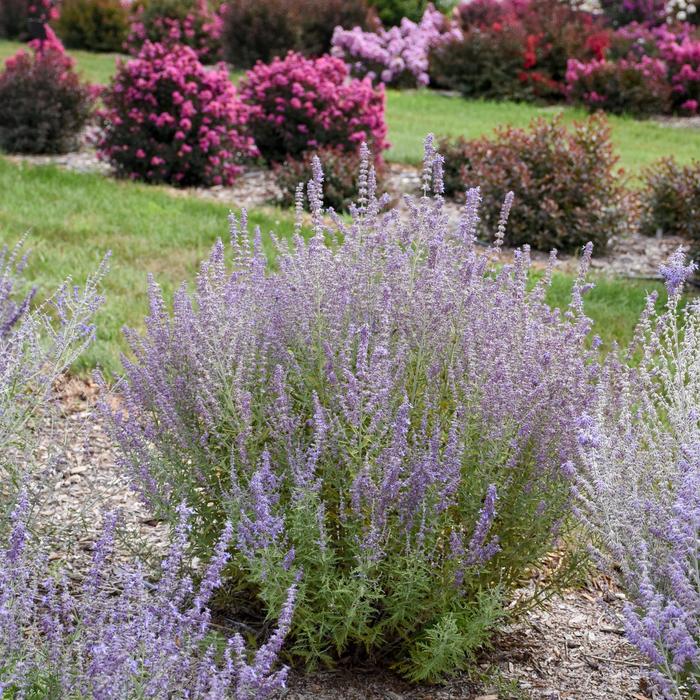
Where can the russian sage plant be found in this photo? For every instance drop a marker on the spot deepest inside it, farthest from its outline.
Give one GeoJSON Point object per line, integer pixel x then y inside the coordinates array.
{"type": "Point", "coordinates": [37, 344]}
{"type": "Point", "coordinates": [640, 488]}
{"type": "Point", "coordinates": [385, 416]}
{"type": "Point", "coordinates": [118, 635]}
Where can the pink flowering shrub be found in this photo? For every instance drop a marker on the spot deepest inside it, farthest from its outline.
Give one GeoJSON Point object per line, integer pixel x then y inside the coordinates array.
{"type": "Point", "coordinates": [297, 104]}
{"type": "Point", "coordinates": [628, 86]}
{"type": "Point", "coordinates": [189, 22]}
{"type": "Point", "coordinates": [44, 106]}
{"type": "Point", "coordinates": [168, 119]}
{"type": "Point", "coordinates": [682, 56]}
{"type": "Point", "coordinates": [396, 56]}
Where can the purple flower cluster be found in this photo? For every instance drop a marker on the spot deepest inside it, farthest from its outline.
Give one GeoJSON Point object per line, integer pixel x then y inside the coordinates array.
{"type": "Point", "coordinates": [118, 635]}
{"type": "Point", "coordinates": [398, 55]}
{"type": "Point", "coordinates": [359, 414]}
{"type": "Point", "coordinates": [639, 490]}
{"type": "Point", "coordinates": [13, 306]}
{"type": "Point", "coordinates": [36, 346]}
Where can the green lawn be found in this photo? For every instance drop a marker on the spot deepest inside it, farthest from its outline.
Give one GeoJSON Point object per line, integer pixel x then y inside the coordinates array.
{"type": "Point", "coordinates": [412, 114]}
{"type": "Point", "coordinates": [74, 219]}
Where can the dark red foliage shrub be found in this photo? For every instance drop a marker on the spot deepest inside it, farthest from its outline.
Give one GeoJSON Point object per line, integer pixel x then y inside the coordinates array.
{"type": "Point", "coordinates": [169, 119]}
{"type": "Point", "coordinates": [485, 63]}
{"type": "Point", "coordinates": [567, 191]}
{"type": "Point", "coordinates": [260, 30]}
{"type": "Point", "coordinates": [93, 25]}
{"type": "Point", "coordinates": [15, 14]}
{"type": "Point", "coordinates": [340, 172]}
{"type": "Point", "coordinates": [192, 23]}
{"type": "Point", "coordinates": [298, 104]}
{"type": "Point", "coordinates": [670, 199]}
{"type": "Point", "coordinates": [43, 104]}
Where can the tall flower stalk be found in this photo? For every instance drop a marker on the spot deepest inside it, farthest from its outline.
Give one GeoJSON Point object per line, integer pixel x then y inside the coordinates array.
{"type": "Point", "coordinates": [388, 413]}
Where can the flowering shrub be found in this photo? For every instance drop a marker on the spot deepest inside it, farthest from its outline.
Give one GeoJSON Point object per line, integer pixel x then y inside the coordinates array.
{"type": "Point", "coordinates": [297, 104]}
{"type": "Point", "coordinates": [36, 346]}
{"type": "Point", "coordinates": [94, 25]}
{"type": "Point", "coordinates": [670, 199]}
{"type": "Point", "coordinates": [43, 104]}
{"type": "Point", "coordinates": [517, 49]}
{"type": "Point", "coordinates": [15, 15]}
{"type": "Point", "coordinates": [682, 55]}
{"type": "Point", "coordinates": [340, 171]}
{"type": "Point", "coordinates": [168, 119]}
{"type": "Point", "coordinates": [565, 184]}
{"type": "Point", "coordinates": [396, 56]}
{"type": "Point", "coordinates": [176, 22]}
{"type": "Point", "coordinates": [275, 27]}
{"type": "Point", "coordinates": [120, 636]}
{"type": "Point", "coordinates": [627, 86]}
{"type": "Point", "coordinates": [639, 490]}
{"type": "Point", "coordinates": [361, 416]}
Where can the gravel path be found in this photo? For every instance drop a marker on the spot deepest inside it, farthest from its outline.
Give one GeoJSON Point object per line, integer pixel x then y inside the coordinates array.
{"type": "Point", "coordinates": [573, 649]}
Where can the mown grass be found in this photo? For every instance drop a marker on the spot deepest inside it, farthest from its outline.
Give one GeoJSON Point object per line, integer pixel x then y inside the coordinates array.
{"type": "Point", "coordinates": [74, 219]}
{"type": "Point", "coordinates": [412, 114]}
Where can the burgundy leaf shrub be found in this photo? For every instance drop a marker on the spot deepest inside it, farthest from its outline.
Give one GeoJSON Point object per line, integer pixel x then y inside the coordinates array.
{"type": "Point", "coordinates": [118, 635]}
{"type": "Point", "coordinates": [299, 104]}
{"type": "Point", "coordinates": [567, 191]}
{"type": "Point", "coordinates": [388, 415]}
{"type": "Point", "coordinates": [190, 23]}
{"type": "Point", "coordinates": [670, 199]}
{"type": "Point", "coordinates": [275, 27]}
{"type": "Point", "coordinates": [93, 25]}
{"type": "Point", "coordinates": [44, 106]}
{"type": "Point", "coordinates": [166, 118]}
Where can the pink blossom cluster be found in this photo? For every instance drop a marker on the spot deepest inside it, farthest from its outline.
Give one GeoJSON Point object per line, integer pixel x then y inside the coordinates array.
{"type": "Point", "coordinates": [395, 56]}
{"type": "Point", "coordinates": [297, 104]}
{"type": "Point", "coordinates": [169, 119]}
{"type": "Point", "coordinates": [634, 85]}
{"type": "Point", "coordinates": [683, 59]}
{"type": "Point", "coordinates": [200, 28]}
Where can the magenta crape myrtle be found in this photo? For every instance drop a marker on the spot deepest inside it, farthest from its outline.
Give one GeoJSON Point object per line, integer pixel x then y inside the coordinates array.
{"type": "Point", "coordinates": [389, 418]}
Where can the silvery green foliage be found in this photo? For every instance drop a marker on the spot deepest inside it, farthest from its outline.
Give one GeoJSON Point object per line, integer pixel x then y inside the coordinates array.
{"type": "Point", "coordinates": [37, 344]}
{"type": "Point", "coordinates": [118, 635]}
{"type": "Point", "coordinates": [639, 490]}
{"type": "Point", "coordinates": [387, 414]}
